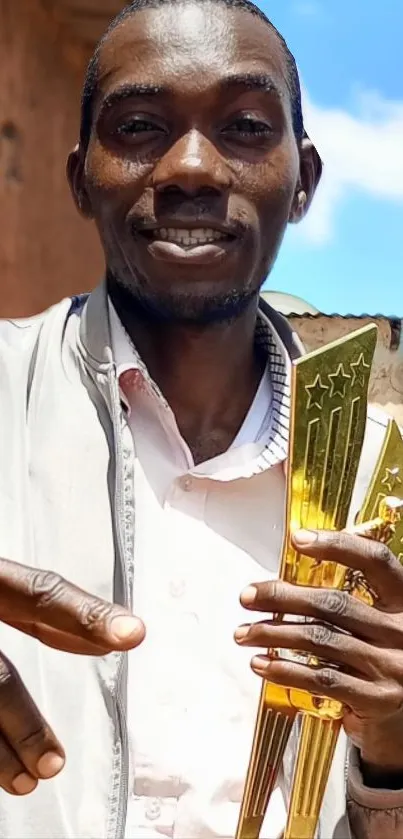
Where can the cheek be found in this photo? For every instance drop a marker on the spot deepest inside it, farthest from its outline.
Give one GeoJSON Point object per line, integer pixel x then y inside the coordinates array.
{"type": "Point", "coordinates": [277, 185]}
{"type": "Point", "coordinates": [114, 183]}
{"type": "Point", "coordinates": [269, 188]}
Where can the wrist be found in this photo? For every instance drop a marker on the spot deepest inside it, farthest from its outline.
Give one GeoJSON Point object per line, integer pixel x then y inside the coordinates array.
{"type": "Point", "coordinates": [376, 776]}
{"type": "Point", "coordinates": [381, 757]}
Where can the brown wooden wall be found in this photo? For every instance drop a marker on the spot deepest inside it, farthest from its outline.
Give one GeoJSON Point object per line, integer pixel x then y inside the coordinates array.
{"type": "Point", "coordinates": [46, 250]}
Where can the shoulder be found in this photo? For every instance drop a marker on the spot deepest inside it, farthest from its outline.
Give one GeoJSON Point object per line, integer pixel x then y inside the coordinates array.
{"type": "Point", "coordinates": [27, 344]}
{"type": "Point", "coordinates": [20, 333]}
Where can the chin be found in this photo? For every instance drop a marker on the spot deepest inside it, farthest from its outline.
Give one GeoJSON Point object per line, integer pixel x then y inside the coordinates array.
{"type": "Point", "coordinates": [183, 299]}
{"type": "Point", "coordinates": [212, 308]}
{"type": "Point", "coordinates": [191, 308]}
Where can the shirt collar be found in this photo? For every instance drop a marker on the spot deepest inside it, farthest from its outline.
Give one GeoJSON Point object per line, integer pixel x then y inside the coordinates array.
{"type": "Point", "coordinates": [127, 360]}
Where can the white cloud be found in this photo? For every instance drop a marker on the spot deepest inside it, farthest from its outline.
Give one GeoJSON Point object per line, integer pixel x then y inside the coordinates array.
{"type": "Point", "coordinates": [362, 152]}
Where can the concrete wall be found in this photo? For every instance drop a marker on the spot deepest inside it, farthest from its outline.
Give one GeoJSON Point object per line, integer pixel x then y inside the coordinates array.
{"type": "Point", "coordinates": [46, 251]}
{"type": "Point", "coordinates": [386, 387]}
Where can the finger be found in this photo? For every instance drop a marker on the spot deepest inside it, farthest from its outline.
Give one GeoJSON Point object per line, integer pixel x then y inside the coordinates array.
{"type": "Point", "coordinates": [60, 640]}
{"type": "Point", "coordinates": [13, 776]}
{"type": "Point", "coordinates": [328, 606]}
{"type": "Point", "coordinates": [379, 566]}
{"type": "Point", "coordinates": [41, 597]}
{"type": "Point", "coordinates": [317, 639]}
{"type": "Point", "coordinates": [24, 728]}
{"type": "Point", "coordinates": [323, 681]}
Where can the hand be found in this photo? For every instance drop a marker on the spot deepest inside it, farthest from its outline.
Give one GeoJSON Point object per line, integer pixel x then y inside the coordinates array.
{"type": "Point", "coordinates": [60, 615]}
{"type": "Point", "coordinates": [366, 643]}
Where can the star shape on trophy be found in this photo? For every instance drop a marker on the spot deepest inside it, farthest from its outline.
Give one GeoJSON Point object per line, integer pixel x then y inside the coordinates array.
{"type": "Point", "coordinates": [316, 392]}
{"type": "Point", "coordinates": [391, 479]}
{"type": "Point", "coordinates": [358, 369]}
{"type": "Point", "coordinates": [338, 382]}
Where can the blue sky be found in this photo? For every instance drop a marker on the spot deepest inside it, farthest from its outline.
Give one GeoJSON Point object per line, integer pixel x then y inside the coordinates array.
{"type": "Point", "coordinates": [347, 256]}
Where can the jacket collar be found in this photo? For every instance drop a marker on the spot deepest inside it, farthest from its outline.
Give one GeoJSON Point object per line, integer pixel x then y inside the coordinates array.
{"type": "Point", "coordinates": [95, 333]}
{"type": "Point", "coordinates": [273, 334]}
{"type": "Point", "coordinates": [94, 336]}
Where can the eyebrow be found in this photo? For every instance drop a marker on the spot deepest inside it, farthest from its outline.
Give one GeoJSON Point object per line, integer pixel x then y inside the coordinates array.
{"type": "Point", "coordinates": [248, 81]}
{"type": "Point", "coordinates": [251, 81]}
{"type": "Point", "coordinates": [131, 91]}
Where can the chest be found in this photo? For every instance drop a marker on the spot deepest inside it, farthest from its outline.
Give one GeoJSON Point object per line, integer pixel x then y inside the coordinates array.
{"type": "Point", "coordinates": [192, 696]}
{"type": "Point", "coordinates": [194, 554]}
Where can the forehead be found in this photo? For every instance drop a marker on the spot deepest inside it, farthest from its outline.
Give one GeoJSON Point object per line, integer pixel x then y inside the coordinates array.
{"type": "Point", "coordinates": [189, 47]}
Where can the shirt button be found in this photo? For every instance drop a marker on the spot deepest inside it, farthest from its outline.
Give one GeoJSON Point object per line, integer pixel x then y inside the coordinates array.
{"type": "Point", "coordinates": [153, 810]}
{"type": "Point", "coordinates": [187, 484]}
{"type": "Point", "coordinates": [177, 588]}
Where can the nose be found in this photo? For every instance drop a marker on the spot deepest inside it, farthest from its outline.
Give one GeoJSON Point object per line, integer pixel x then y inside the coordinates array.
{"type": "Point", "coordinates": [192, 166]}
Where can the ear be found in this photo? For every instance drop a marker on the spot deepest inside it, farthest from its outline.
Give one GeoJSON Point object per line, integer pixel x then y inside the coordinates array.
{"type": "Point", "coordinates": [75, 171]}
{"type": "Point", "coordinates": [309, 176]}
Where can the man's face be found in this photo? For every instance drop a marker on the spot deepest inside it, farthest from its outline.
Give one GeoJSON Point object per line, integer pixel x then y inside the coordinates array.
{"type": "Point", "coordinates": [192, 167]}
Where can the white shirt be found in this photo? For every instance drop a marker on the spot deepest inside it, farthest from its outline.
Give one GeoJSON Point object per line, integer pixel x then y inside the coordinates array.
{"type": "Point", "coordinates": [202, 534]}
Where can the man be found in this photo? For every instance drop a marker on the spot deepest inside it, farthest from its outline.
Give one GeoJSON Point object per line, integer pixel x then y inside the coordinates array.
{"type": "Point", "coordinates": [144, 434]}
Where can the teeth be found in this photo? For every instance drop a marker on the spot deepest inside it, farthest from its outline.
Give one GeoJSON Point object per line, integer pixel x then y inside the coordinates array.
{"type": "Point", "coordinates": [198, 236]}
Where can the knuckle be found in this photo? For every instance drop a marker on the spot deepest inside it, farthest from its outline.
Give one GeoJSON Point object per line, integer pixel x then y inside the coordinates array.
{"type": "Point", "coordinates": [382, 554]}
{"type": "Point", "coordinates": [12, 689]}
{"type": "Point", "coordinates": [335, 602]}
{"type": "Point", "coordinates": [92, 613]}
{"type": "Point", "coordinates": [319, 635]}
{"type": "Point", "coordinates": [390, 696]}
{"type": "Point", "coordinates": [272, 595]}
{"type": "Point", "coordinates": [7, 675]}
{"type": "Point", "coordinates": [46, 588]}
{"type": "Point", "coordinates": [275, 590]}
{"type": "Point", "coordinates": [327, 678]}
{"type": "Point", "coordinates": [34, 739]}
{"type": "Point", "coordinates": [333, 539]}
{"type": "Point", "coordinates": [257, 631]}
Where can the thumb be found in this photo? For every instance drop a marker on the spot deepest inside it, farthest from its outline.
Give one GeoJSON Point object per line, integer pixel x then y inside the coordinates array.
{"type": "Point", "coordinates": [124, 631]}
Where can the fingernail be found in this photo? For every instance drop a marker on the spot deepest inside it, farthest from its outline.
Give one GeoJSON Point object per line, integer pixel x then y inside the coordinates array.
{"type": "Point", "coordinates": [124, 627]}
{"type": "Point", "coordinates": [241, 633]}
{"type": "Point", "coordinates": [23, 784]}
{"type": "Point", "coordinates": [305, 537]}
{"type": "Point", "coordinates": [248, 595]}
{"type": "Point", "coordinates": [260, 662]}
{"type": "Point", "coordinates": [50, 765]}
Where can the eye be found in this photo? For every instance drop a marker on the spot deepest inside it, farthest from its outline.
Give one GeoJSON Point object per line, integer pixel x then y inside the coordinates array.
{"type": "Point", "coordinates": [248, 127]}
{"type": "Point", "coordinates": [138, 125]}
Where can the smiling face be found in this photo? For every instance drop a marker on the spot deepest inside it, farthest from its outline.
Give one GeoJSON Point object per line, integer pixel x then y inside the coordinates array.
{"type": "Point", "coordinates": [192, 168]}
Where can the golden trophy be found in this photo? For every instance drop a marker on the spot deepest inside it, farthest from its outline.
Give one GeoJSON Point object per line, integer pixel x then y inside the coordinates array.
{"type": "Point", "coordinates": [329, 392]}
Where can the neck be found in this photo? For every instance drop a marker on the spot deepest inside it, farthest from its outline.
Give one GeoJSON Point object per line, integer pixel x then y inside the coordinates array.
{"type": "Point", "coordinates": [208, 374]}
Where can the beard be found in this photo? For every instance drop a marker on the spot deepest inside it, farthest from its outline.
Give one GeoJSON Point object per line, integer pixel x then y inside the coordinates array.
{"type": "Point", "coordinates": [180, 308]}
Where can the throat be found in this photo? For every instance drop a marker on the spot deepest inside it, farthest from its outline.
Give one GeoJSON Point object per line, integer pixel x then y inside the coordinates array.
{"type": "Point", "coordinates": [210, 439]}
{"type": "Point", "coordinates": [207, 446]}
{"type": "Point", "coordinates": [208, 373]}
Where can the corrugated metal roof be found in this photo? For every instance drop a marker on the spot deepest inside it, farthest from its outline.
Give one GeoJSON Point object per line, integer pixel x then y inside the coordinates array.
{"type": "Point", "coordinates": [378, 316]}
{"type": "Point", "coordinates": [284, 303]}
{"type": "Point", "coordinates": [395, 323]}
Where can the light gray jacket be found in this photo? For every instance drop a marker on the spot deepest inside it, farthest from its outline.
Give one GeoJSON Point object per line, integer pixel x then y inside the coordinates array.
{"type": "Point", "coordinates": [67, 505]}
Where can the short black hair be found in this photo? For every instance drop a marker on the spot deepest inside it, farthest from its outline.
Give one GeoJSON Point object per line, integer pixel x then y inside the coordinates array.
{"type": "Point", "coordinates": [91, 77]}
